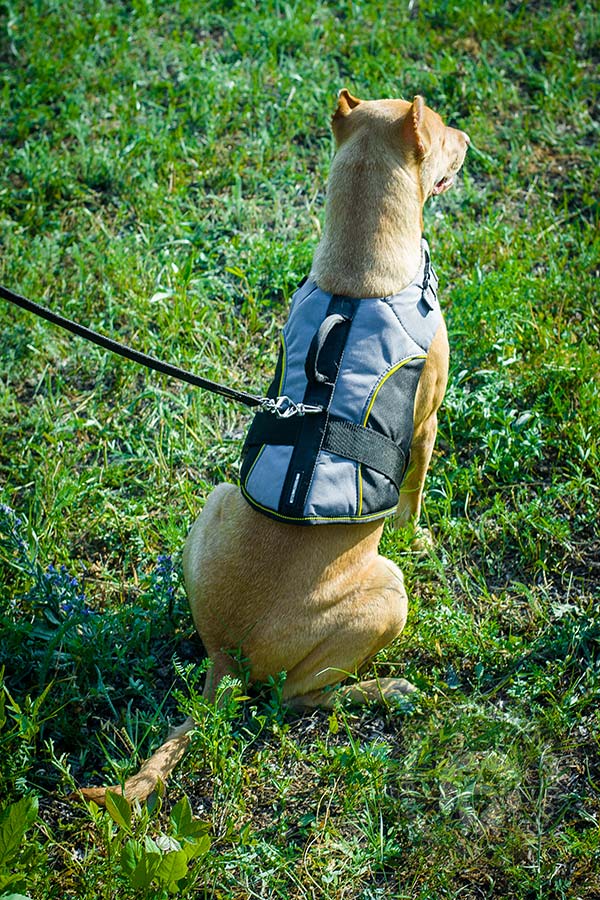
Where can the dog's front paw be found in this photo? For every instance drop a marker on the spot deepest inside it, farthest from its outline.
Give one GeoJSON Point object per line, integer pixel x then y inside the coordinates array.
{"type": "Point", "coordinates": [418, 538]}
{"type": "Point", "coordinates": [422, 541]}
{"type": "Point", "coordinates": [396, 688]}
{"type": "Point", "coordinates": [379, 690]}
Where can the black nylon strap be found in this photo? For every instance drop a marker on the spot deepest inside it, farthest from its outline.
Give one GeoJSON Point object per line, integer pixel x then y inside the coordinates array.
{"type": "Point", "coordinates": [347, 439]}
{"type": "Point", "coordinates": [150, 362]}
{"type": "Point", "coordinates": [366, 446]}
{"type": "Point", "coordinates": [267, 429]}
{"type": "Point", "coordinates": [312, 428]}
{"type": "Point", "coordinates": [426, 270]}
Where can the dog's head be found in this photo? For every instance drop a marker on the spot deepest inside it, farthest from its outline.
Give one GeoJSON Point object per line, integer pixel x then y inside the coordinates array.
{"type": "Point", "coordinates": [429, 151]}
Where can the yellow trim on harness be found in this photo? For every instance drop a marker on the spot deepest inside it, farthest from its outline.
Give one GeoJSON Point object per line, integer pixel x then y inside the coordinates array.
{"type": "Point", "coordinates": [283, 364]}
{"type": "Point", "coordinates": [368, 413]}
{"type": "Point", "coordinates": [384, 379]}
{"type": "Point", "coordinates": [360, 490]}
{"type": "Point", "coordinates": [275, 515]}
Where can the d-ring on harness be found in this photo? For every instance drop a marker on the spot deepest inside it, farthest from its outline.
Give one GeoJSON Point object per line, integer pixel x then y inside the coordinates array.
{"type": "Point", "coordinates": [281, 407]}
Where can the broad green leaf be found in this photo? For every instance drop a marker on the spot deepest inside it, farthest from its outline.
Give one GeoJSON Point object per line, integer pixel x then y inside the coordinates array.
{"type": "Point", "coordinates": [145, 870]}
{"type": "Point", "coordinates": [14, 822]}
{"type": "Point", "coordinates": [154, 801]}
{"type": "Point", "coordinates": [172, 868]}
{"type": "Point", "coordinates": [181, 817]}
{"type": "Point", "coordinates": [150, 846]}
{"type": "Point", "coordinates": [119, 810]}
{"type": "Point", "coordinates": [198, 847]}
{"type": "Point", "coordinates": [14, 897]}
{"type": "Point", "coordinates": [184, 823]}
{"type": "Point", "coordinates": [130, 856]}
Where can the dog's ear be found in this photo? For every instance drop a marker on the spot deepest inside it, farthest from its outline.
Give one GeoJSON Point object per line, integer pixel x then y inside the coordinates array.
{"type": "Point", "coordinates": [340, 124]}
{"type": "Point", "coordinates": [415, 133]}
{"type": "Point", "coordinates": [346, 103]}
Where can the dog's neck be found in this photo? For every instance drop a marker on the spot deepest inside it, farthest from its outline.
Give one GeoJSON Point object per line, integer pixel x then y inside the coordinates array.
{"type": "Point", "coordinates": [371, 244]}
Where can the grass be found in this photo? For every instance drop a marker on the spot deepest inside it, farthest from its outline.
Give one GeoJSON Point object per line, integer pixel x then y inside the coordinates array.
{"type": "Point", "coordinates": [162, 176]}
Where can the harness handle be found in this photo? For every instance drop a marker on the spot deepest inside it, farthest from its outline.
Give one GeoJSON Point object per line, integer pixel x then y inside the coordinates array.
{"type": "Point", "coordinates": [311, 364]}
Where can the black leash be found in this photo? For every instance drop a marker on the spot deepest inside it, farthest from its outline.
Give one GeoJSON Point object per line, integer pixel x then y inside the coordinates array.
{"type": "Point", "coordinates": [109, 344]}
{"type": "Point", "coordinates": [283, 407]}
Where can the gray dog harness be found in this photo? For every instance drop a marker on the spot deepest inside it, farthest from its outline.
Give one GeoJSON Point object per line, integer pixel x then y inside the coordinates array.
{"type": "Point", "coordinates": [359, 363]}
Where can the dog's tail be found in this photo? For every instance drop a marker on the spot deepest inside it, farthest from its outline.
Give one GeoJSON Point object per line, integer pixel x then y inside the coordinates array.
{"type": "Point", "coordinates": [154, 771]}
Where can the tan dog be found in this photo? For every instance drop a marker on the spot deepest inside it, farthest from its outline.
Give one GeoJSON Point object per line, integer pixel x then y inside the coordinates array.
{"type": "Point", "coordinates": [319, 602]}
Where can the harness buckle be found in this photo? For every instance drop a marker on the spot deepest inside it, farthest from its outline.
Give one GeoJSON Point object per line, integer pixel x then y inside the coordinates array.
{"type": "Point", "coordinates": [284, 407]}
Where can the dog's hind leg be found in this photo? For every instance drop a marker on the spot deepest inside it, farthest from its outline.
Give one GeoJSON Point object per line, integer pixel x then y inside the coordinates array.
{"type": "Point", "coordinates": [362, 624]}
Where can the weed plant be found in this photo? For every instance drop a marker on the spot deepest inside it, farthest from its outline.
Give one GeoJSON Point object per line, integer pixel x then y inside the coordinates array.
{"type": "Point", "coordinates": [162, 177]}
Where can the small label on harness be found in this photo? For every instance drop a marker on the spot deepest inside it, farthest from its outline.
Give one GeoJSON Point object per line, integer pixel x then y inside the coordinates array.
{"type": "Point", "coordinates": [294, 487]}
